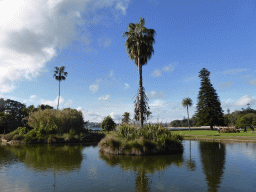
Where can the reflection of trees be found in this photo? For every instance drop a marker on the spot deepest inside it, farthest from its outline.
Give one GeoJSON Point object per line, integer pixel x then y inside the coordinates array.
{"type": "Point", "coordinates": [142, 165]}
{"type": "Point", "coordinates": [213, 160]}
{"type": "Point", "coordinates": [45, 157]}
{"type": "Point", "coordinates": [6, 157]}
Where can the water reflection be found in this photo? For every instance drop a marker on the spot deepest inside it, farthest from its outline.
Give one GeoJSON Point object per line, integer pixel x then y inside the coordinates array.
{"type": "Point", "coordinates": [191, 164]}
{"type": "Point", "coordinates": [213, 161]}
{"type": "Point", "coordinates": [142, 165]}
{"type": "Point", "coordinates": [44, 158]}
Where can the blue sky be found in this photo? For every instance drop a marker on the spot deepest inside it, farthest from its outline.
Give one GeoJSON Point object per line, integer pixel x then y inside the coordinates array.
{"type": "Point", "coordinates": [85, 36]}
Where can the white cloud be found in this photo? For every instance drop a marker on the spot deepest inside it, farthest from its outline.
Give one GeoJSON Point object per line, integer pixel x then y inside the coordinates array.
{"type": "Point", "coordinates": [116, 117]}
{"type": "Point", "coordinates": [32, 98]}
{"type": "Point", "coordinates": [234, 71]}
{"type": "Point", "coordinates": [122, 5]}
{"type": "Point", "coordinates": [244, 100]}
{"type": "Point", "coordinates": [104, 97]}
{"type": "Point", "coordinates": [32, 32]}
{"type": "Point", "coordinates": [68, 103]}
{"type": "Point", "coordinates": [79, 108]}
{"type": "Point", "coordinates": [127, 86]}
{"type": "Point", "coordinates": [226, 85]}
{"type": "Point", "coordinates": [156, 103]}
{"type": "Point", "coordinates": [94, 88]}
{"type": "Point", "coordinates": [104, 42]}
{"type": "Point", "coordinates": [156, 73]}
{"type": "Point", "coordinates": [241, 102]}
{"type": "Point", "coordinates": [6, 88]}
{"type": "Point", "coordinates": [111, 73]}
{"type": "Point", "coordinates": [252, 82]}
{"type": "Point", "coordinates": [155, 95]}
{"type": "Point", "coordinates": [52, 103]}
{"type": "Point", "coordinates": [90, 115]}
{"type": "Point", "coordinates": [168, 68]}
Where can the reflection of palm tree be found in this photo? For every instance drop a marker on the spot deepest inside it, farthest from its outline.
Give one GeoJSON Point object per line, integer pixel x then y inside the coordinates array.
{"type": "Point", "coordinates": [142, 165]}
{"type": "Point", "coordinates": [213, 160]}
{"type": "Point", "coordinates": [191, 164]}
{"type": "Point", "coordinates": [187, 102]}
{"type": "Point", "coordinates": [142, 182]}
{"type": "Point", "coordinates": [139, 45]}
{"type": "Point", "coordinates": [59, 75]}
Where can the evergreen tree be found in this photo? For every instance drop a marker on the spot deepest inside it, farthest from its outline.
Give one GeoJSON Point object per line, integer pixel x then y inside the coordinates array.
{"type": "Point", "coordinates": [209, 111]}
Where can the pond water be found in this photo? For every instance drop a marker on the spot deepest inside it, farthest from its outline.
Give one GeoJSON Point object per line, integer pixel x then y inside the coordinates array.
{"type": "Point", "coordinates": [203, 166]}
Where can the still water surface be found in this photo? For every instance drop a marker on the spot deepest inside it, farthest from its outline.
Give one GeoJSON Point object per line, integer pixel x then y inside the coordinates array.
{"type": "Point", "coordinates": [203, 166]}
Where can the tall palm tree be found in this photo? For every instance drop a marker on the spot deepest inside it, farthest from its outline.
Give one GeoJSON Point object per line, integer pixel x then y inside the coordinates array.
{"type": "Point", "coordinates": [59, 75]}
{"type": "Point", "coordinates": [139, 45]}
{"type": "Point", "coordinates": [187, 102]}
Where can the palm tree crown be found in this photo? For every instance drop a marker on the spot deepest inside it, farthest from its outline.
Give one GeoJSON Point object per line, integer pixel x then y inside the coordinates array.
{"type": "Point", "coordinates": [187, 102]}
{"type": "Point", "coordinates": [59, 75]}
{"type": "Point", "coordinates": [139, 45]}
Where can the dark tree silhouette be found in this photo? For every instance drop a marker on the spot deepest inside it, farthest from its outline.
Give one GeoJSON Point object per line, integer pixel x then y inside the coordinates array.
{"type": "Point", "coordinates": [209, 111]}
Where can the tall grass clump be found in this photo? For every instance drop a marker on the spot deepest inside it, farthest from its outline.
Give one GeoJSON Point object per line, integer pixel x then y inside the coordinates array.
{"type": "Point", "coordinates": [150, 139]}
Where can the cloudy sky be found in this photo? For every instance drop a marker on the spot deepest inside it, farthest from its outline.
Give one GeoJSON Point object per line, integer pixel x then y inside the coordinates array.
{"type": "Point", "coordinates": [85, 36]}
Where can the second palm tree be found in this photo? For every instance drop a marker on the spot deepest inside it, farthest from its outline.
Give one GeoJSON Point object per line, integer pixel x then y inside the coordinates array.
{"type": "Point", "coordinates": [139, 46]}
{"type": "Point", "coordinates": [59, 75]}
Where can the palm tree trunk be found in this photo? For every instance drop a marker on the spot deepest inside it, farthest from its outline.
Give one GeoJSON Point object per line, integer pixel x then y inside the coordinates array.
{"type": "Point", "coordinates": [140, 94]}
{"type": "Point", "coordinates": [188, 119]}
{"type": "Point", "coordinates": [59, 97]}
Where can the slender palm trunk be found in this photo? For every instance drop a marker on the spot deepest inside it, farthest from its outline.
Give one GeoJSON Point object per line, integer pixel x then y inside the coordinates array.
{"type": "Point", "coordinates": [140, 94]}
{"type": "Point", "coordinates": [59, 97]}
{"type": "Point", "coordinates": [188, 119]}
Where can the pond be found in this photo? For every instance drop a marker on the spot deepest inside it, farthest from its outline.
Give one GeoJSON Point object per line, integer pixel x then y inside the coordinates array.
{"type": "Point", "coordinates": [203, 166]}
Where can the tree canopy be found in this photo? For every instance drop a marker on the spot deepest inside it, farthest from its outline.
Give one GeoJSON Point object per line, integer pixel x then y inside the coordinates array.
{"type": "Point", "coordinates": [108, 124]}
{"type": "Point", "coordinates": [209, 111]}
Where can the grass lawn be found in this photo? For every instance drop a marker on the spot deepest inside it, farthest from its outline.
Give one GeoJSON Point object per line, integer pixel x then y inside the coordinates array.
{"type": "Point", "coordinates": [214, 133]}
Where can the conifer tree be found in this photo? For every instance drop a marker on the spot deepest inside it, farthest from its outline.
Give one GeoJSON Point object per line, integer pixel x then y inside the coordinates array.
{"type": "Point", "coordinates": [209, 111]}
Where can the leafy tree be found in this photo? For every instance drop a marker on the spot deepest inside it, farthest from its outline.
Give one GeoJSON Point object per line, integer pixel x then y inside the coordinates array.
{"type": "Point", "coordinates": [247, 120]}
{"type": "Point", "coordinates": [2, 108]}
{"type": "Point", "coordinates": [43, 107]}
{"type": "Point", "coordinates": [4, 119]}
{"type": "Point", "coordinates": [108, 124]}
{"type": "Point", "coordinates": [17, 112]}
{"type": "Point", "coordinates": [209, 111]}
{"type": "Point", "coordinates": [126, 119]}
{"type": "Point", "coordinates": [187, 102]}
{"type": "Point", "coordinates": [139, 46]}
{"type": "Point", "coordinates": [59, 75]}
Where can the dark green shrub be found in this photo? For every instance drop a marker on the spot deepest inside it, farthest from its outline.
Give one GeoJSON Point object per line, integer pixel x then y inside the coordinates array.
{"type": "Point", "coordinates": [108, 124]}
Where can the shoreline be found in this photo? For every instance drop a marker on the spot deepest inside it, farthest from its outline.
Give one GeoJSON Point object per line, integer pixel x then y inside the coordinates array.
{"type": "Point", "coordinates": [213, 139]}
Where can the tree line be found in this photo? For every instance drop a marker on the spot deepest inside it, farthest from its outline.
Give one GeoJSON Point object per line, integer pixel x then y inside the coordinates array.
{"type": "Point", "coordinates": [13, 114]}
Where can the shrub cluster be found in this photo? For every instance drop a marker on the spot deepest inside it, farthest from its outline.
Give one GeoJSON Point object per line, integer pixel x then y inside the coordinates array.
{"type": "Point", "coordinates": [229, 130]}
{"type": "Point", "coordinates": [149, 139]}
{"type": "Point", "coordinates": [52, 121]}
